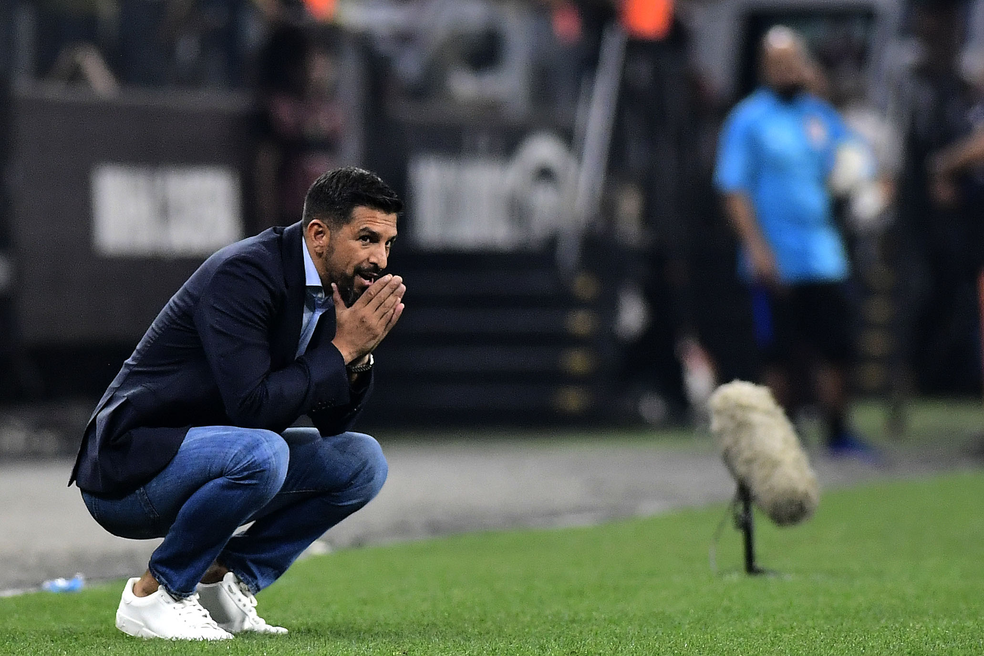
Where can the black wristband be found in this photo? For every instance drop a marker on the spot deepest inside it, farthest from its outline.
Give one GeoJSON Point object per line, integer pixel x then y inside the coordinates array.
{"type": "Point", "coordinates": [362, 368]}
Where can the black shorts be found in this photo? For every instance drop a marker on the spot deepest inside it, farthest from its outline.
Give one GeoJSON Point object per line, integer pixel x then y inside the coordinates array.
{"type": "Point", "coordinates": [815, 317]}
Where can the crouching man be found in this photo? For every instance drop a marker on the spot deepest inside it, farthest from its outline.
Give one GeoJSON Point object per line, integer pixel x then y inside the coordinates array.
{"type": "Point", "coordinates": [192, 439]}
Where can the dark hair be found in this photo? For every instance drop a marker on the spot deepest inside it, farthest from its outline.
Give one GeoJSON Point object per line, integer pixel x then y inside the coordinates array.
{"type": "Point", "coordinates": [336, 193]}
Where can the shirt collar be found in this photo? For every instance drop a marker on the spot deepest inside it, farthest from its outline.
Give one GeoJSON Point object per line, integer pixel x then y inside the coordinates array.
{"type": "Point", "coordinates": [311, 277]}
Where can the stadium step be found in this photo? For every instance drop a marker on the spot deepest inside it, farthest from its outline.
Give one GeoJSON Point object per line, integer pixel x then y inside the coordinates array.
{"type": "Point", "coordinates": [500, 338]}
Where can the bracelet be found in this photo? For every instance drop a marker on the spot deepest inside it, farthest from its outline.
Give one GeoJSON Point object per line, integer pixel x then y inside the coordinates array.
{"type": "Point", "coordinates": [362, 368]}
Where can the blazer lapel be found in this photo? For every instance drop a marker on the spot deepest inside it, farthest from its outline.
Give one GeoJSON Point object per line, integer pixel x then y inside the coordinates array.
{"type": "Point", "coordinates": [287, 330]}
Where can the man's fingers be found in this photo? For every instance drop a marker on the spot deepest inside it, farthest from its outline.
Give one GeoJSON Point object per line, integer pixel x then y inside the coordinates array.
{"type": "Point", "coordinates": [393, 318]}
{"type": "Point", "coordinates": [386, 292]}
{"type": "Point", "coordinates": [337, 297]}
{"type": "Point", "coordinates": [367, 297]}
{"type": "Point", "coordinates": [381, 290]}
{"type": "Point", "coordinates": [388, 303]}
{"type": "Point", "coordinates": [376, 311]}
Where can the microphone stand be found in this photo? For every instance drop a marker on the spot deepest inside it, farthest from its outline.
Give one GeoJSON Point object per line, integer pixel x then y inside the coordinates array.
{"type": "Point", "coordinates": [745, 523]}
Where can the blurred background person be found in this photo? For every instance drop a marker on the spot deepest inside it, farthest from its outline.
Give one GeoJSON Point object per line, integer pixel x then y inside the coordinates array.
{"type": "Point", "coordinates": [940, 230]}
{"type": "Point", "coordinates": [776, 153]}
{"type": "Point", "coordinates": [954, 160]}
{"type": "Point", "coordinates": [301, 120]}
{"type": "Point", "coordinates": [63, 24]}
{"type": "Point", "coordinates": [957, 177]}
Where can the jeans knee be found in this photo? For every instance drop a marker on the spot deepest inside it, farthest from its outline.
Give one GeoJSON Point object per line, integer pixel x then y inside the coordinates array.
{"type": "Point", "coordinates": [262, 459]}
{"type": "Point", "coordinates": [375, 467]}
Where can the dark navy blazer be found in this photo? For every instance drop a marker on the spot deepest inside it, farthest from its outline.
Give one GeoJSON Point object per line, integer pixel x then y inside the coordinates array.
{"type": "Point", "coordinates": [221, 352]}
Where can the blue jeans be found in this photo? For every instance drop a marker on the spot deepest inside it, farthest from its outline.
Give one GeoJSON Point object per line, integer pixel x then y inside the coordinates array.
{"type": "Point", "coordinates": [293, 487]}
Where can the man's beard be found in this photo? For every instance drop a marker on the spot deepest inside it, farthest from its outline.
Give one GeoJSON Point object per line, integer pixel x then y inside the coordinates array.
{"type": "Point", "coordinates": [789, 92]}
{"type": "Point", "coordinates": [346, 288]}
{"type": "Point", "coordinates": [346, 282]}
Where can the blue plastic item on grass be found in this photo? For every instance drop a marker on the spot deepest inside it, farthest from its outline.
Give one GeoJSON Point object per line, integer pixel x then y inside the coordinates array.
{"type": "Point", "coordinates": [73, 584]}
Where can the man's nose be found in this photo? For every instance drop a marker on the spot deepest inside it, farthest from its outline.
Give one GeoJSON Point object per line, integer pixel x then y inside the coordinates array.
{"type": "Point", "coordinates": [377, 256]}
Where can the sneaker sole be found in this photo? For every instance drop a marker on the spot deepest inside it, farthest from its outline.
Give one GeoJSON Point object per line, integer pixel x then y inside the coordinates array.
{"type": "Point", "coordinates": [226, 627]}
{"type": "Point", "coordinates": [137, 629]}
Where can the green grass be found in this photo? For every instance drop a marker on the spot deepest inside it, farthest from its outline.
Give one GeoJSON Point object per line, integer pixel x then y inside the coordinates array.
{"type": "Point", "coordinates": [926, 420]}
{"type": "Point", "coordinates": [893, 568]}
{"type": "Point", "coordinates": [936, 423]}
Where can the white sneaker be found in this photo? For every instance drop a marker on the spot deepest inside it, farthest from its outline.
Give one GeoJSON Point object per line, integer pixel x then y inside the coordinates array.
{"type": "Point", "coordinates": [233, 606]}
{"type": "Point", "coordinates": [160, 615]}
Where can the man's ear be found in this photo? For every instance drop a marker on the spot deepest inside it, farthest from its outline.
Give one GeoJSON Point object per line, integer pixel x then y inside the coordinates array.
{"type": "Point", "coordinates": [318, 235]}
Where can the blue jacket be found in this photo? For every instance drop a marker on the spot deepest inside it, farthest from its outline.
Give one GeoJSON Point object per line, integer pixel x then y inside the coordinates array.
{"type": "Point", "coordinates": [221, 352]}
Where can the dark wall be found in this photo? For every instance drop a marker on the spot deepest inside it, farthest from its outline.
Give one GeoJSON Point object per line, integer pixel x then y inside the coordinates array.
{"type": "Point", "coordinates": [66, 292]}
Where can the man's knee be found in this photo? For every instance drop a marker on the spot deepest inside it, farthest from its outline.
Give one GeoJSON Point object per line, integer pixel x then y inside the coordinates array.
{"type": "Point", "coordinates": [375, 468]}
{"type": "Point", "coordinates": [262, 457]}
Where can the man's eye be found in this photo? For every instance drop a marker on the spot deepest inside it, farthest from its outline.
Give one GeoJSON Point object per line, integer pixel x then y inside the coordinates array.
{"type": "Point", "coordinates": [365, 239]}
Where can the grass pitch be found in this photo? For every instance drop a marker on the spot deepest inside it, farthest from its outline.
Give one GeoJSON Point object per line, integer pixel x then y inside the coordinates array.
{"type": "Point", "coordinates": [892, 568]}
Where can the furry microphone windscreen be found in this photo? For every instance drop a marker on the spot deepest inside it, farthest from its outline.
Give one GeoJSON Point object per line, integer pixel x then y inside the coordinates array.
{"type": "Point", "coordinates": [760, 448]}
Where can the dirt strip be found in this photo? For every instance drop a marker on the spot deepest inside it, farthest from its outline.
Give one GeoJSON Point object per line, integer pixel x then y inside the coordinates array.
{"type": "Point", "coordinates": [434, 488]}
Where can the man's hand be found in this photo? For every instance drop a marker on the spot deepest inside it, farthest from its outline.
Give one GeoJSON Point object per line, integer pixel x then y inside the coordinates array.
{"type": "Point", "coordinates": [944, 191]}
{"type": "Point", "coordinates": [359, 329]}
{"type": "Point", "coordinates": [741, 214]}
{"type": "Point", "coordinates": [765, 271]}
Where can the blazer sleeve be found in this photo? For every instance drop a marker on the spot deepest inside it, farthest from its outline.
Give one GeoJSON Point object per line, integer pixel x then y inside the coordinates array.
{"type": "Point", "coordinates": [333, 420]}
{"type": "Point", "coordinates": [329, 417]}
{"type": "Point", "coordinates": [237, 308]}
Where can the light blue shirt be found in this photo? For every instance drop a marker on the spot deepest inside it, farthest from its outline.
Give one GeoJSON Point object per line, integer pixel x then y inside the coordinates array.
{"type": "Point", "coordinates": [316, 302]}
{"type": "Point", "coordinates": [780, 154]}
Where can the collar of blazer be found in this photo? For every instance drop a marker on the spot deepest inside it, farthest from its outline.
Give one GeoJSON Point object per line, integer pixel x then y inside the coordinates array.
{"type": "Point", "coordinates": [288, 330]}
{"type": "Point", "coordinates": [291, 242]}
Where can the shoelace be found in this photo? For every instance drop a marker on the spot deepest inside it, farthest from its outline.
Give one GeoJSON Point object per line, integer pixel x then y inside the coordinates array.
{"type": "Point", "coordinates": [244, 590]}
{"type": "Point", "coordinates": [247, 602]}
{"type": "Point", "coordinates": [190, 609]}
{"type": "Point", "coordinates": [250, 603]}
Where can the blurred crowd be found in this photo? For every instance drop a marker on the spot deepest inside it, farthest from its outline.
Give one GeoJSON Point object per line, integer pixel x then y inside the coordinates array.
{"type": "Point", "coordinates": [918, 219]}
